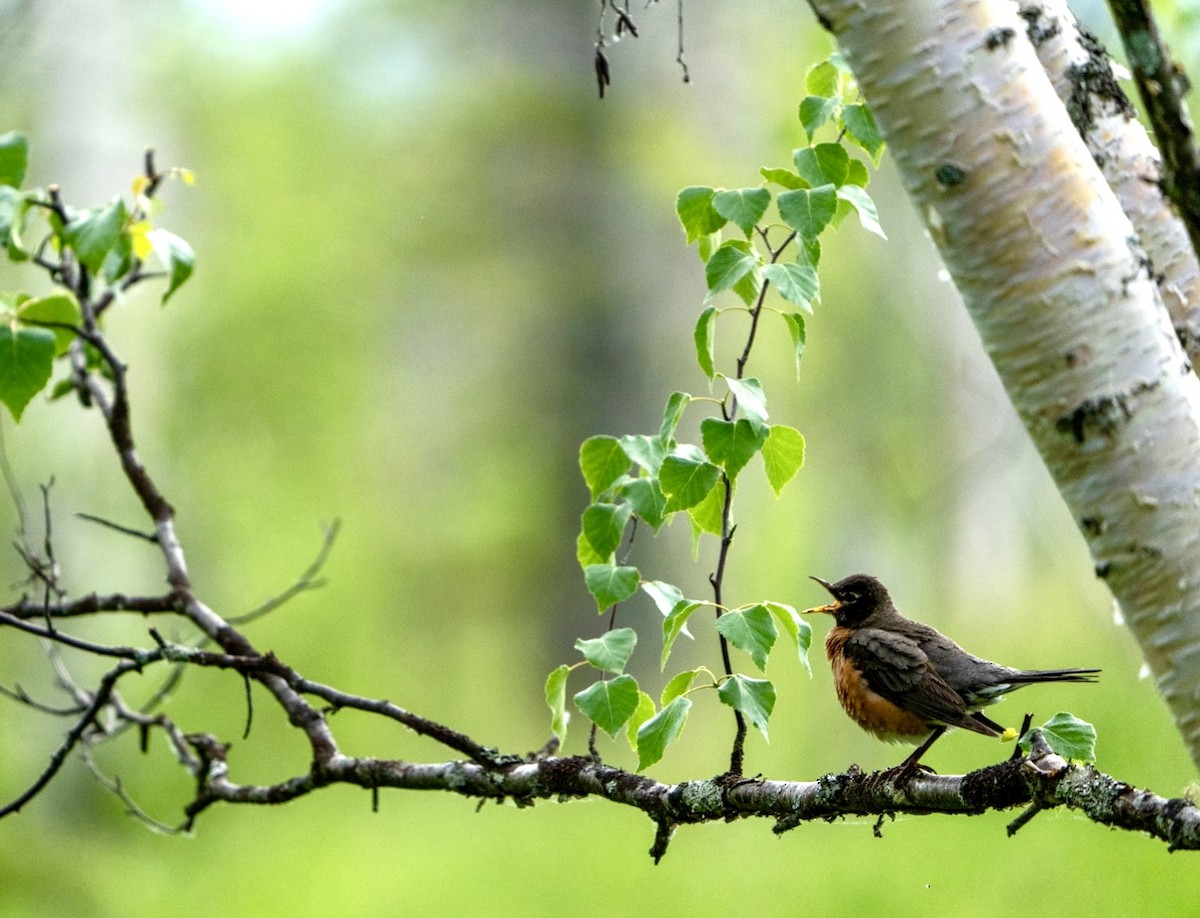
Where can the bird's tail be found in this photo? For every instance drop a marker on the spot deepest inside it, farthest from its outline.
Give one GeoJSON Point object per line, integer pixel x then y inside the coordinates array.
{"type": "Point", "coordinates": [1029, 676]}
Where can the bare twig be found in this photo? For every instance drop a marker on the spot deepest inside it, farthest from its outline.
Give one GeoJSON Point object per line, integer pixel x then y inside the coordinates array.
{"type": "Point", "coordinates": [71, 740]}
{"type": "Point", "coordinates": [308, 580]}
{"type": "Point", "coordinates": [125, 530]}
{"type": "Point", "coordinates": [1162, 85]}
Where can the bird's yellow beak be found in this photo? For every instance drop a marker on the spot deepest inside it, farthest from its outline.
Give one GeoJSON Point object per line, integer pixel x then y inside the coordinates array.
{"type": "Point", "coordinates": [831, 608]}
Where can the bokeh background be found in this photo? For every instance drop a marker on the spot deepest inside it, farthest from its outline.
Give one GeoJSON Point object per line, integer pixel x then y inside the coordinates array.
{"type": "Point", "coordinates": [429, 263]}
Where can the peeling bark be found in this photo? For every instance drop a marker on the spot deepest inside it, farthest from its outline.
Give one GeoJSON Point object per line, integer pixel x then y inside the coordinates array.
{"type": "Point", "coordinates": [1058, 284]}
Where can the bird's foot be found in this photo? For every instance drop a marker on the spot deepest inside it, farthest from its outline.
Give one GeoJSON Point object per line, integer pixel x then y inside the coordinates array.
{"type": "Point", "coordinates": [900, 775]}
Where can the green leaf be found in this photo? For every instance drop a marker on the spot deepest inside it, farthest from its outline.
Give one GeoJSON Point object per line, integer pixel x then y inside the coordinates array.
{"type": "Point", "coordinates": [707, 516]}
{"type": "Point", "coordinates": [796, 283]}
{"type": "Point", "coordinates": [604, 526]}
{"type": "Point", "coordinates": [696, 213]}
{"type": "Point", "coordinates": [671, 415]}
{"type": "Point", "coordinates": [1067, 735]}
{"type": "Point", "coordinates": [808, 210]}
{"type": "Point", "coordinates": [686, 481]}
{"type": "Point", "coordinates": [678, 686]}
{"type": "Point", "coordinates": [656, 734]}
{"type": "Point", "coordinates": [732, 262]}
{"type": "Point", "coordinates": [14, 208]}
{"type": "Point", "coordinates": [785, 177]}
{"type": "Point", "coordinates": [824, 164]}
{"type": "Point", "coordinates": [119, 260]}
{"type": "Point", "coordinates": [611, 651]}
{"type": "Point", "coordinates": [675, 624]}
{"type": "Point", "coordinates": [10, 201]}
{"type": "Point", "coordinates": [57, 307]}
{"type": "Point", "coordinates": [730, 444]}
{"type": "Point", "coordinates": [750, 630]}
{"type": "Point", "coordinates": [753, 697]}
{"type": "Point", "coordinates": [647, 452]}
{"type": "Point", "coordinates": [744, 206]}
{"type": "Point", "coordinates": [14, 157]}
{"type": "Point", "coordinates": [665, 595]}
{"type": "Point", "coordinates": [556, 699]}
{"type": "Point", "coordinates": [642, 713]}
{"type": "Point", "coordinates": [647, 500]}
{"type": "Point", "coordinates": [585, 554]}
{"type": "Point", "coordinates": [26, 360]}
{"type": "Point", "coordinates": [868, 216]}
{"type": "Point", "coordinates": [704, 339]}
{"type": "Point", "coordinates": [822, 79]}
{"type": "Point", "coordinates": [858, 174]}
{"type": "Point", "coordinates": [860, 125]}
{"type": "Point", "coordinates": [783, 455]}
{"type": "Point", "coordinates": [795, 627]}
{"type": "Point", "coordinates": [96, 232]}
{"type": "Point", "coordinates": [610, 584]}
{"type": "Point", "coordinates": [176, 256]}
{"type": "Point", "coordinates": [799, 335]}
{"type": "Point", "coordinates": [809, 252]}
{"type": "Point", "coordinates": [609, 703]}
{"type": "Point", "coordinates": [602, 461]}
{"type": "Point", "coordinates": [749, 394]}
{"type": "Point", "coordinates": [815, 113]}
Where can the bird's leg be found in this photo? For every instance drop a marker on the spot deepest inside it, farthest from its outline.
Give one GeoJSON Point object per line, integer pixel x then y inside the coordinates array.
{"type": "Point", "coordinates": [904, 772]}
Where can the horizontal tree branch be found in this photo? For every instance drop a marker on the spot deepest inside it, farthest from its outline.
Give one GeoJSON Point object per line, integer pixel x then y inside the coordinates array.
{"type": "Point", "coordinates": [93, 603]}
{"type": "Point", "coordinates": [1043, 781]}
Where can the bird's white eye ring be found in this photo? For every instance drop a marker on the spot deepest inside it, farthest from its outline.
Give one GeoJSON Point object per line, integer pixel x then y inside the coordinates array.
{"type": "Point", "coordinates": [851, 597]}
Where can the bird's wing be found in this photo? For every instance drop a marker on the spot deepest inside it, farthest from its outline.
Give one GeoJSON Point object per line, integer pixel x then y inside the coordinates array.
{"type": "Point", "coordinates": [896, 668]}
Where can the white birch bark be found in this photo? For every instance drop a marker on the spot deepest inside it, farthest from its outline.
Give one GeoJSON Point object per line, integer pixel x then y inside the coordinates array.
{"type": "Point", "coordinates": [1057, 283]}
{"type": "Point", "coordinates": [1131, 164]}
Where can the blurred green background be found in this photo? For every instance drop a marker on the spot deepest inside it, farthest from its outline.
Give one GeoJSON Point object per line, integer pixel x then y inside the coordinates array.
{"type": "Point", "coordinates": [429, 263]}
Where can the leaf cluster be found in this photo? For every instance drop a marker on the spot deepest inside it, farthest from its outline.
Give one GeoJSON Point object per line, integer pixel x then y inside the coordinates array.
{"type": "Point", "coordinates": [649, 479]}
{"type": "Point", "coordinates": [91, 255]}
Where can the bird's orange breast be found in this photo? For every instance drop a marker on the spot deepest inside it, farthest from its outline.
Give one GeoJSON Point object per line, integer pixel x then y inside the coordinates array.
{"type": "Point", "coordinates": [866, 707]}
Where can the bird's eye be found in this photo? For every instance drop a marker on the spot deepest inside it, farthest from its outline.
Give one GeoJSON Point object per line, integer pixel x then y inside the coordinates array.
{"type": "Point", "coordinates": [852, 597]}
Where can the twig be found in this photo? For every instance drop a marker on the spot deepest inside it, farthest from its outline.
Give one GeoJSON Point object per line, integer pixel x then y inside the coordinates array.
{"type": "Point", "coordinates": [1162, 84]}
{"type": "Point", "coordinates": [21, 696]}
{"type": "Point", "coordinates": [72, 738]}
{"type": "Point", "coordinates": [93, 604]}
{"type": "Point", "coordinates": [308, 580]}
{"type": "Point", "coordinates": [125, 530]}
{"type": "Point", "coordinates": [113, 786]}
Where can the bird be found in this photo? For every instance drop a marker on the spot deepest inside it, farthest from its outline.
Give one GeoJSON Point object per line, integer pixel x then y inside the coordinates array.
{"type": "Point", "coordinates": [904, 681]}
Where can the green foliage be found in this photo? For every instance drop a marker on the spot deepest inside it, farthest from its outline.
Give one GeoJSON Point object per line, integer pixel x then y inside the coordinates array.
{"type": "Point", "coordinates": [609, 703]}
{"type": "Point", "coordinates": [14, 158]}
{"type": "Point", "coordinates": [26, 356]}
{"type": "Point", "coordinates": [611, 651]}
{"type": "Point", "coordinates": [87, 254]}
{"type": "Point", "coordinates": [661, 730]}
{"type": "Point", "coordinates": [768, 264]}
{"type": "Point", "coordinates": [1067, 735]}
{"type": "Point", "coordinates": [610, 584]}
{"type": "Point", "coordinates": [753, 697]}
{"type": "Point", "coordinates": [750, 630]}
{"type": "Point", "coordinates": [783, 455]}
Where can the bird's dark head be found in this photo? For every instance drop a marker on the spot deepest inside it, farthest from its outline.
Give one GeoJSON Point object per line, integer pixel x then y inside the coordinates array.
{"type": "Point", "coordinates": [855, 599]}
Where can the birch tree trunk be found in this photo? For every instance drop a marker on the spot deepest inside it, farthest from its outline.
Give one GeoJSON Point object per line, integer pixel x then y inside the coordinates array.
{"type": "Point", "coordinates": [1058, 284]}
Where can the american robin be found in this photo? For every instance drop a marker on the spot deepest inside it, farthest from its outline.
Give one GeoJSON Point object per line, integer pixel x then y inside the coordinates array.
{"type": "Point", "coordinates": [906, 682]}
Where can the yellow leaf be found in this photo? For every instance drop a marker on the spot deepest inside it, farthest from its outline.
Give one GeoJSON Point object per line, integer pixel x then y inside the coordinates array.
{"type": "Point", "coordinates": [139, 236]}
